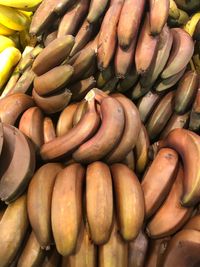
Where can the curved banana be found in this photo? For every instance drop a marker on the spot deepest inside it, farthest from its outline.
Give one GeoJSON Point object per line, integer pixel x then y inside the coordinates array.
{"type": "Point", "coordinates": [17, 165]}
{"type": "Point", "coordinates": [49, 132]}
{"type": "Point", "coordinates": [159, 179]}
{"type": "Point", "coordinates": [80, 111]}
{"type": "Point", "coordinates": [5, 42]}
{"type": "Point", "coordinates": [31, 124]}
{"type": "Point", "coordinates": [128, 196]}
{"type": "Point", "coordinates": [96, 10]}
{"type": "Point", "coordinates": [190, 26]}
{"type": "Point", "coordinates": [106, 137]}
{"type": "Point", "coordinates": [5, 31]}
{"type": "Point", "coordinates": [39, 197]}
{"type": "Point", "coordinates": [99, 202]}
{"type": "Point", "coordinates": [173, 10]}
{"type": "Point", "coordinates": [157, 226]}
{"type": "Point", "coordinates": [8, 59]}
{"type": "Point", "coordinates": [21, 4]}
{"type": "Point", "coordinates": [130, 133]}
{"type": "Point", "coordinates": [66, 209]}
{"type": "Point", "coordinates": [182, 51]}
{"type": "Point", "coordinates": [180, 139]}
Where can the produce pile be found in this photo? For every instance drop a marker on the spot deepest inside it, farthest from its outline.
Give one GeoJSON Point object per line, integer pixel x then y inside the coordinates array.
{"type": "Point", "coordinates": [99, 133]}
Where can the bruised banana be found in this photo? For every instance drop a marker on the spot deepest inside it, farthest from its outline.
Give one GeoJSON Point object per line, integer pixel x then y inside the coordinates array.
{"type": "Point", "coordinates": [157, 226]}
{"type": "Point", "coordinates": [17, 164]}
{"type": "Point", "coordinates": [87, 126]}
{"type": "Point", "coordinates": [159, 179]}
{"type": "Point", "coordinates": [31, 124]}
{"type": "Point", "coordinates": [99, 202]}
{"type": "Point", "coordinates": [66, 209]}
{"type": "Point", "coordinates": [39, 197]}
{"type": "Point", "coordinates": [128, 196]}
{"type": "Point", "coordinates": [49, 131]}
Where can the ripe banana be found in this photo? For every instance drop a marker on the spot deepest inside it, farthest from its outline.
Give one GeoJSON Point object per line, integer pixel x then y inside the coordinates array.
{"type": "Point", "coordinates": [53, 80]}
{"type": "Point", "coordinates": [21, 4]}
{"type": "Point", "coordinates": [5, 42]}
{"type": "Point", "coordinates": [66, 209]}
{"type": "Point", "coordinates": [53, 55]}
{"type": "Point", "coordinates": [5, 31]}
{"type": "Point", "coordinates": [137, 250]}
{"type": "Point", "coordinates": [8, 59]}
{"type": "Point", "coordinates": [39, 197]}
{"type": "Point", "coordinates": [31, 124]}
{"type": "Point", "coordinates": [108, 34]}
{"type": "Point", "coordinates": [32, 254]}
{"type": "Point", "coordinates": [13, 227]}
{"type": "Point", "coordinates": [130, 133]}
{"type": "Point", "coordinates": [96, 10]}
{"type": "Point", "coordinates": [194, 123]}
{"type": "Point", "coordinates": [186, 92]}
{"type": "Point", "coordinates": [159, 11]}
{"type": "Point", "coordinates": [159, 179]}
{"type": "Point", "coordinates": [99, 202]}
{"type": "Point", "coordinates": [182, 51]}
{"type": "Point", "coordinates": [146, 48]}
{"type": "Point", "coordinates": [60, 146]}
{"type": "Point", "coordinates": [128, 196]}
{"type": "Point", "coordinates": [48, 130]}
{"type": "Point", "coordinates": [180, 139]}
{"type": "Point", "coordinates": [190, 26]}
{"type": "Point", "coordinates": [129, 22]}
{"type": "Point", "coordinates": [157, 226]}
{"type": "Point", "coordinates": [53, 103]}
{"type": "Point", "coordinates": [106, 137]}
{"type": "Point", "coordinates": [81, 88]}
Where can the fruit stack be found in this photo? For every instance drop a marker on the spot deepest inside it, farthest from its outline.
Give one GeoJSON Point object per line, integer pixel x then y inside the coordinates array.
{"type": "Point", "coordinates": [99, 133]}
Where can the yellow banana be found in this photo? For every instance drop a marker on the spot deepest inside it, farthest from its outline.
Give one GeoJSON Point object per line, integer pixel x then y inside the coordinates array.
{"type": "Point", "coordinates": [5, 42]}
{"type": "Point", "coordinates": [21, 4]}
{"type": "Point", "coordinates": [29, 14]}
{"type": "Point", "coordinates": [8, 59]}
{"type": "Point", "coordinates": [173, 10]}
{"type": "Point", "coordinates": [13, 19]}
{"type": "Point", "coordinates": [5, 31]}
{"type": "Point", "coordinates": [191, 24]}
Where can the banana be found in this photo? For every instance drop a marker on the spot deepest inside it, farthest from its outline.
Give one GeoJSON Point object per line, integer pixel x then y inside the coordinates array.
{"type": "Point", "coordinates": [72, 19]}
{"type": "Point", "coordinates": [83, 36]}
{"type": "Point", "coordinates": [129, 81]}
{"type": "Point", "coordinates": [104, 76]}
{"type": "Point", "coordinates": [128, 196]}
{"type": "Point", "coordinates": [182, 51]}
{"type": "Point", "coordinates": [129, 160]}
{"type": "Point", "coordinates": [130, 133]}
{"type": "Point", "coordinates": [141, 150]}
{"type": "Point", "coordinates": [60, 146]}
{"type": "Point", "coordinates": [190, 26]}
{"type": "Point", "coordinates": [159, 179]}
{"type": "Point", "coordinates": [39, 197]}
{"type": "Point", "coordinates": [80, 111]}
{"type": "Point", "coordinates": [99, 202]}
{"type": "Point", "coordinates": [147, 104]}
{"type": "Point", "coordinates": [181, 20]}
{"type": "Point", "coordinates": [13, 19]}
{"type": "Point", "coordinates": [174, 12]}
{"type": "Point", "coordinates": [186, 92]}
{"type": "Point", "coordinates": [182, 250]}
{"type": "Point", "coordinates": [96, 10]}
{"type": "Point", "coordinates": [160, 60]}
{"type": "Point", "coordinates": [17, 164]}
{"type": "Point", "coordinates": [8, 59]}
{"type": "Point", "coordinates": [137, 250]}
{"type": "Point", "coordinates": [110, 86]}
{"type": "Point", "coordinates": [146, 48]}
{"type": "Point", "coordinates": [31, 124]}
{"type": "Point", "coordinates": [13, 227]}
{"type": "Point", "coordinates": [114, 252]}
{"type": "Point", "coordinates": [180, 139]}
{"type": "Point", "coordinates": [50, 37]}
{"type": "Point", "coordinates": [32, 254]}
{"type": "Point", "coordinates": [5, 42]}
{"type": "Point", "coordinates": [176, 121]}
{"type": "Point", "coordinates": [81, 88]}
{"type": "Point", "coordinates": [159, 11]}
{"type": "Point", "coordinates": [86, 252]}
{"type": "Point", "coordinates": [5, 31]}
{"type": "Point", "coordinates": [129, 22]}
{"type": "Point", "coordinates": [160, 116]}
{"type": "Point", "coordinates": [157, 226]}
{"type": "Point", "coordinates": [53, 54]}
{"type": "Point", "coordinates": [124, 59]}
{"type": "Point", "coordinates": [54, 103]}
{"type": "Point", "coordinates": [66, 209]}
{"type": "Point", "coordinates": [48, 130]}
{"type": "Point", "coordinates": [108, 34]}
{"type": "Point", "coordinates": [22, 4]}
{"type": "Point", "coordinates": [52, 259]}
{"type": "Point", "coordinates": [193, 223]}
{"type": "Point", "coordinates": [53, 80]}
{"type": "Point", "coordinates": [91, 71]}
{"type": "Point", "coordinates": [165, 84]}
{"type": "Point", "coordinates": [65, 120]}
{"type": "Point", "coordinates": [106, 137]}
{"type": "Point", "coordinates": [194, 123]}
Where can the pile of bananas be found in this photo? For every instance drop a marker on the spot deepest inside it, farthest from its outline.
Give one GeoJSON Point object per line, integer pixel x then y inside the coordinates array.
{"type": "Point", "coordinates": [99, 133]}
